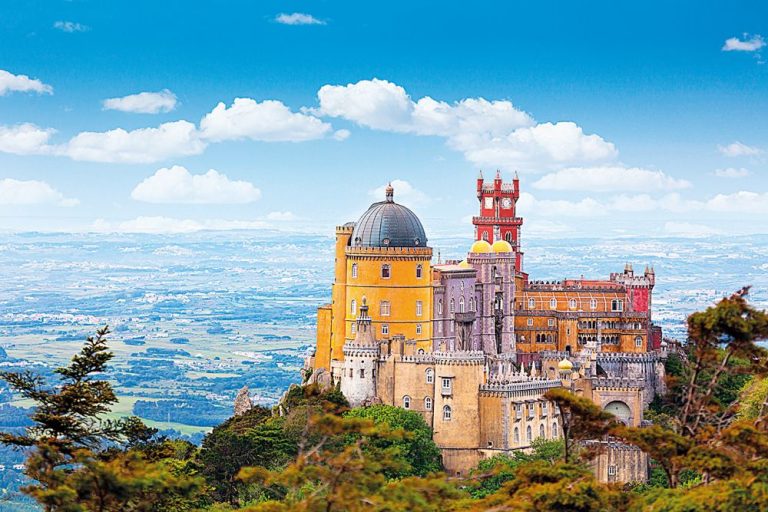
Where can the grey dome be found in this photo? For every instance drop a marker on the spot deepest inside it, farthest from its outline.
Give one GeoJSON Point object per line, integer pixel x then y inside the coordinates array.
{"type": "Point", "coordinates": [388, 224]}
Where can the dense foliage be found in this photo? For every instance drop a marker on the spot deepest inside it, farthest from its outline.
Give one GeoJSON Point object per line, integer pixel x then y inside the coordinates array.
{"type": "Point", "coordinates": [709, 445]}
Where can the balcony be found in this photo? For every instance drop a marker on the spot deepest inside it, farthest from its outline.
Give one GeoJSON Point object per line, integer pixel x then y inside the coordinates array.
{"type": "Point", "coordinates": [466, 317]}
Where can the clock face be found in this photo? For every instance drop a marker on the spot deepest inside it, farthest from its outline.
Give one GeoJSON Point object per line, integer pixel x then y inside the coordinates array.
{"type": "Point", "coordinates": [488, 203]}
{"type": "Point", "coordinates": [506, 203]}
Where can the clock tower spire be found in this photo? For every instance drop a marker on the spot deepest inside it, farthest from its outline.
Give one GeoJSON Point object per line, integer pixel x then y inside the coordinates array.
{"type": "Point", "coordinates": [497, 220]}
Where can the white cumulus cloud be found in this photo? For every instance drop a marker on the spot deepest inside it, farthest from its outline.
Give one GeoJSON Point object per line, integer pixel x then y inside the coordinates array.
{"type": "Point", "coordinates": [70, 26]}
{"type": "Point", "coordinates": [143, 102]}
{"type": "Point", "coordinates": [404, 193]}
{"type": "Point", "coordinates": [281, 216]}
{"type": "Point", "coordinates": [738, 149]}
{"type": "Point", "coordinates": [732, 172]}
{"type": "Point", "coordinates": [25, 139]}
{"type": "Point", "coordinates": [31, 192]}
{"type": "Point", "coordinates": [144, 145]}
{"type": "Point", "coordinates": [298, 18]}
{"type": "Point", "coordinates": [171, 225]}
{"type": "Point", "coordinates": [609, 178]}
{"type": "Point", "coordinates": [177, 185]}
{"type": "Point", "coordinates": [747, 44]}
{"type": "Point", "coordinates": [269, 120]}
{"type": "Point", "coordinates": [21, 83]}
{"type": "Point", "coordinates": [488, 133]}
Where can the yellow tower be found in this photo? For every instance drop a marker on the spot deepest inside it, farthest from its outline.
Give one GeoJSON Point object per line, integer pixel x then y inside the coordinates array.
{"type": "Point", "coordinates": [384, 259]}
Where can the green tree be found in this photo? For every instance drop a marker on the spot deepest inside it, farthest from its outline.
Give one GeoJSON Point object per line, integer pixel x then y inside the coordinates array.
{"type": "Point", "coordinates": [581, 419]}
{"type": "Point", "coordinates": [73, 459]}
{"type": "Point", "coordinates": [418, 451]}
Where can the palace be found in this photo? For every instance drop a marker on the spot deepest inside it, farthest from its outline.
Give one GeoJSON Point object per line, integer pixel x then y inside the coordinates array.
{"type": "Point", "coordinates": [473, 345]}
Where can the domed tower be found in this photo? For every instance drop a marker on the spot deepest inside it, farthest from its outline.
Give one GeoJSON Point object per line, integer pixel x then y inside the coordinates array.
{"type": "Point", "coordinates": [385, 258]}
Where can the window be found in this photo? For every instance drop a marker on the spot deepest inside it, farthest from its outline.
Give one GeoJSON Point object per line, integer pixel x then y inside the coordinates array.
{"type": "Point", "coordinates": [354, 271]}
{"type": "Point", "coordinates": [418, 328]}
{"type": "Point", "coordinates": [551, 322]}
{"type": "Point", "coordinates": [439, 328]}
{"type": "Point", "coordinates": [617, 305]}
{"type": "Point", "coordinates": [541, 430]}
{"type": "Point", "coordinates": [530, 322]}
{"type": "Point", "coordinates": [572, 303]}
{"type": "Point", "coordinates": [485, 236]}
{"type": "Point", "coordinates": [508, 237]}
{"type": "Point", "coordinates": [531, 410]}
{"type": "Point", "coordinates": [384, 308]}
{"type": "Point", "coordinates": [446, 385]}
{"type": "Point", "coordinates": [529, 434]}
{"type": "Point", "coordinates": [421, 352]}
{"type": "Point", "coordinates": [440, 307]}
{"type": "Point", "coordinates": [419, 307]}
{"type": "Point", "coordinates": [385, 329]}
{"type": "Point", "coordinates": [430, 375]}
{"type": "Point", "coordinates": [446, 413]}
{"type": "Point", "coordinates": [593, 304]}
{"type": "Point", "coordinates": [452, 309]}
{"type": "Point", "coordinates": [351, 373]}
{"type": "Point", "coordinates": [471, 304]}
{"type": "Point", "coordinates": [461, 304]}
{"type": "Point", "coordinates": [611, 470]}
{"type": "Point", "coordinates": [552, 303]}
{"type": "Point", "coordinates": [354, 327]}
{"type": "Point", "coordinates": [638, 341]}
{"type": "Point", "coordinates": [362, 373]}
{"type": "Point", "coordinates": [518, 411]}
{"type": "Point", "coordinates": [531, 303]}
{"type": "Point", "coordinates": [386, 270]}
{"type": "Point", "coordinates": [353, 307]}
{"type": "Point", "coordinates": [428, 404]}
{"type": "Point", "coordinates": [419, 271]}
{"type": "Point", "coordinates": [544, 408]}
{"type": "Point", "coordinates": [554, 429]}
{"type": "Point", "coordinates": [406, 402]}
{"type": "Point", "coordinates": [517, 435]}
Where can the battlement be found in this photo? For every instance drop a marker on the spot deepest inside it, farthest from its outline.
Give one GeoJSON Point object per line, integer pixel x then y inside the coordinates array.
{"type": "Point", "coordinates": [534, 384]}
{"type": "Point", "coordinates": [360, 350]}
{"type": "Point", "coordinates": [347, 228]}
{"type": "Point", "coordinates": [627, 357]}
{"type": "Point", "coordinates": [617, 383]}
{"type": "Point", "coordinates": [459, 357]}
{"type": "Point", "coordinates": [364, 251]}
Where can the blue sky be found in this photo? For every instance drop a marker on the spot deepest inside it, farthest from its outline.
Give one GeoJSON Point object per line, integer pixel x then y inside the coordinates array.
{"type": "Point", "coordinates": [622, 119]}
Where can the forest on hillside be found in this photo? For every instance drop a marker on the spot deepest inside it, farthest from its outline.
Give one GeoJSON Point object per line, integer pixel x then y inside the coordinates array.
{"type": "Point", "coordinates": [708, 445]}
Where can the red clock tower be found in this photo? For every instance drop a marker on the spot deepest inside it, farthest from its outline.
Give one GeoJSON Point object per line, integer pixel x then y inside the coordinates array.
{"type": "Point", "coordinates": [497, 220]}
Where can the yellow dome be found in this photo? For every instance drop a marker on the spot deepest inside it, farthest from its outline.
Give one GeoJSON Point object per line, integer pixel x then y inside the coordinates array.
{"type": "Point", "coordinates": [565, 365]}
{"type": "Point", "coordinates": [481, 246]}
{"type": "Point", "coordinates": [464, 264]}
{"type": "Point", "coordinates": [501, 246]}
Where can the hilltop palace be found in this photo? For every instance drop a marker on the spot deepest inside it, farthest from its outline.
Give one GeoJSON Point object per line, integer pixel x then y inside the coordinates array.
{"type": "Point", "coordinates": [473, 345]}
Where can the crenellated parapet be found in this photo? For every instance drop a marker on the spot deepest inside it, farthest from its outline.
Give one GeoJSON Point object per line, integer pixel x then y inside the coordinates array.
{"type": "Point", "coordinates": [617, 383]}
{"type": "Point", "coordinates": [358, 350]}
{"type": "Point", "coordinates": [536, 386]}
{"type": "Point", "coordinates": [473, 357]}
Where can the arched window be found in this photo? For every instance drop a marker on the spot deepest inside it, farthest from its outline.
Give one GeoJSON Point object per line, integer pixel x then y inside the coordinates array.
{"type": "Point", "coordinates": [471, 304]}
{"type": "Point", "coordinates": [386, 270]}
{"type": "Point", "coordinates": [421, 350]}
{"type": "Point", "coordinates": [353, 307]}
{"type": "Point", "coordinates": [554, 429]}
{"type": "Point", "coordinates": [593, 304]}
{"type": "Point", "coordinates": [418, 331]}
{"type": "Point", "coordinates": [553, 303]}
{"type": "Point", "coordinates": [428, 404]}
{"type": "Point", "coordinates": [419, 270]}
{"type": "Point", "coordinates": [461, 305]}
{"type": "Point", "coordinates": [406, 402]}
{"type": "Point", "coordinates": [529, 434]}
{"type": "Point", "coordinates": [446, 413]}
{"type": "Point", "coordinates": [517, 435]}
{"type": "Point", "coordinates": [440, 307]}
{"type": "Point", "coordinates": [452, 309]}
{"type": "Point", "coordinates": [430, 373]}
{"type": "Point", "coordinates": [354, 271]}
{"type": "Point", "coordinates": [508, 237]}
{"type": "Point", "coordinates": [485, 236]}
{"type": "Point", "coordinates": [638, 341]}
{"type": "Point", "coordinates": [541, 430]}
{"type": "Point", "coordinates": [572, 303]}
